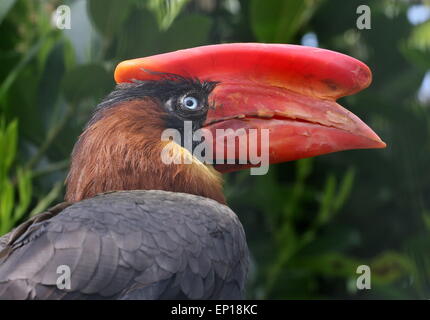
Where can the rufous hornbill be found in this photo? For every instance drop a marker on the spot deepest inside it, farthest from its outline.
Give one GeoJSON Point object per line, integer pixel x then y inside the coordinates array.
{"type": "Point", "coordinates": [135, 227]}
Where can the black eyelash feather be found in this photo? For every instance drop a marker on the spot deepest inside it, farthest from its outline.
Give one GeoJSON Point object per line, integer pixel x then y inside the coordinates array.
{"type": "Point", "coordinates": [167, 86]}
{"type": "Point", "coordinates": [206, 86]}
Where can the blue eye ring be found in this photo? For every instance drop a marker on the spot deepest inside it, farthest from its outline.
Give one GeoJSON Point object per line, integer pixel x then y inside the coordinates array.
{"type": "Point", "coordinates": [190, 102]}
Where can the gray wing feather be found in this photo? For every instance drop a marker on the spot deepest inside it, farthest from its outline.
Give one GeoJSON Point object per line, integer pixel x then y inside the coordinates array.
{"type": "Point", "coordinates": [129, 245]}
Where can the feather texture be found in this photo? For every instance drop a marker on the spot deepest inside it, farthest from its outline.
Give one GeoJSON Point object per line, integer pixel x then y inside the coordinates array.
{"type": "Point", "coordinates": [130, 245]}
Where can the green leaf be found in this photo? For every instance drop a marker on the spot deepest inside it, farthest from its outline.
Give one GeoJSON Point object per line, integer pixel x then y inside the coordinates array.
{"type": "Point", "coordinates": [304, 168]}
{"type": "Point", "coordinates": [108, 15]}
{"type": "Point", "coordinates": [417, 250]}
{"type": "Point", "coordinates": [24, 191]}
{"type": "Point", "coordinates": [389, 267]}
{"type": "Point", "coordinates": [46, 201]}
{"type": "Point", "coordinates": [7, 195]}
{"type": "Point", "coordinates": [344, 189]}
{"type": "Point", "coordinates": [417, 56]}
{"type": "Point", "coordinates": [49, 83]}
{"type": "Point", "coordinates": [137, 44]}
{"type": "Point", "coordinates": [426, 219]}
{"type": "Point", "coordinates": [10, 143]}
{"type": "Point", "coordinates": [279, 21]}
{"type": "Point", "coordinates": [329, 264]}
{"type": "Point", "coordinates": [331, 202]}
{"type": "Point", "coordinates": [166, 11]}
{"type": "Point", "coordinates": [86, 81]}
{"type": "Point", "coordinates": [188, 31]}
{"type": "Point", "coordinates": [417, 47]}
{"type": "Point", "coordinates": [333, 238]}
{"type": "Point", "coordinates": [11, 77]}
{"type": "Point", "coordinates": [326, 206]}
{"type": "Point", "coordinates": [5, 6]}
{"type": "Point", "coordinates": [420, 37]}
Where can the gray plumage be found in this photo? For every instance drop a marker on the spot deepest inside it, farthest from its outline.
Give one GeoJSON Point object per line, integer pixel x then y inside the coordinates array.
{"type": "Point", "coordinates": [128, 245]}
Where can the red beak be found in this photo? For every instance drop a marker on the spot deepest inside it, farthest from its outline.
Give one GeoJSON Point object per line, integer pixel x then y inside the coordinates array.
{"type": "Point", "coordinates": [288, 89]}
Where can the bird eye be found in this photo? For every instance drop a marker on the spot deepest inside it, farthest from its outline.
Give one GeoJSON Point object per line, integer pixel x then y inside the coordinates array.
{"type": "Point", "coordinates": [190, 102]}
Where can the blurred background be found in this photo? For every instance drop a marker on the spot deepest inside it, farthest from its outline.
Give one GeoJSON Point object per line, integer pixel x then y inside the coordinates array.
{"type": "Point", "coordinates": [309, 223]}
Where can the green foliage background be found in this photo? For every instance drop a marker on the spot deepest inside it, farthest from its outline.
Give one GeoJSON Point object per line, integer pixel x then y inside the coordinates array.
{"type": "Point", "coordinates": [309, 224]}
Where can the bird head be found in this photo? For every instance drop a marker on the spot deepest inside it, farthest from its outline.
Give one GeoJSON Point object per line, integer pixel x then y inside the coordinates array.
{"type": "Point", "coordinates": [224, 92]}
{"type": "Point", "coordinates": [175, 100]}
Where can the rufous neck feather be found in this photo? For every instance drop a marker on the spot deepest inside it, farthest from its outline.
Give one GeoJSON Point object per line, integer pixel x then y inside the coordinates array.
{"type": "Point", "coordinates": [121, 150]}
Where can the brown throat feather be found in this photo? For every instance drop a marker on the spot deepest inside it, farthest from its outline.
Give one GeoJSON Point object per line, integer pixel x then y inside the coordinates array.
{"type": "Point", "coordinates": [121, 150]}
